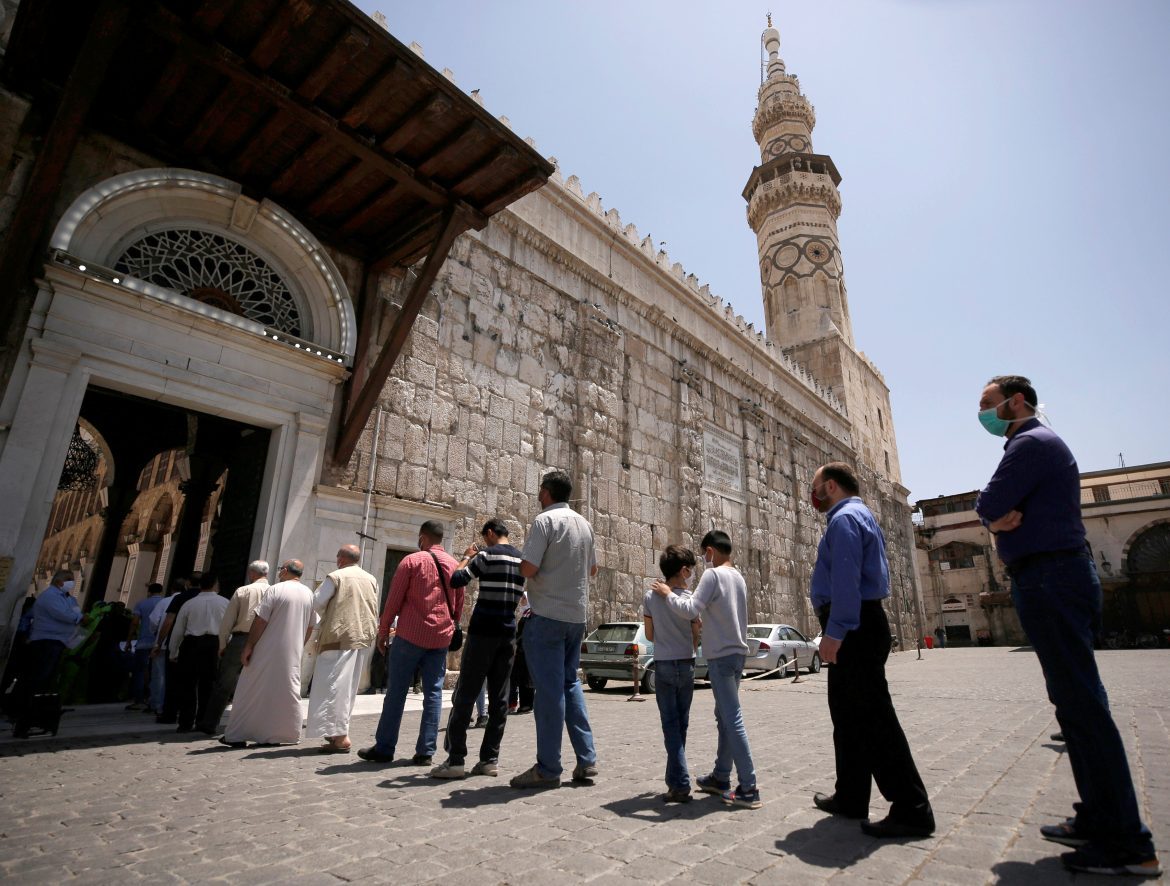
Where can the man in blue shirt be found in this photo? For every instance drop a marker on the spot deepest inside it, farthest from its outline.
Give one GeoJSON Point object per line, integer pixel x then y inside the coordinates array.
{"type": "Point", "coordinates": [142, 631]}
{"type": "Point", "coordinates": [1032, 505]}
{"type": "Point", "coordinates": [849, 581]}
{"type": "Point", "coordinates": [55, 617]}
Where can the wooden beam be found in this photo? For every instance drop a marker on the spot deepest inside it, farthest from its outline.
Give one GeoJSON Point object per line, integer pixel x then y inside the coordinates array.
{"type": "Point", "coordinates": [299, 168]}
{"type": "Point", "coordinates": [213, 118]}
{"type": "Point", "coordinates": [280, 28]}
{"type": "Point", "coordinates": [341, 54]}
{"type": "Point", "coordinates": [227, 62]}
{"type": "Point", "coordinates": [361, 405]}
{"type": "Point", "coordinates": [472, 176]}
{"type": "Point", "coordinates": [367, 307]}
{"type": "Point", "coordinates": [338, 188]}
{"type": "Point", "coordinates": [411, 123]}
{"type": "Point", "coordinates": [402, 240]}
{"type": "Point", "coordinates": [211, 14]}
{"type": "Point", "coordinates": [260, 142]}
{"type": "Point", "coordinates": [163, 92]}
{"type": "Point", "coordinates": [370, 209]}
{"type": "Point", "coordinates": [27, 232]}
{"type": "Point", "coordinates": [447, 147]}
{"type": "Point", "coordinates": [371, 96]}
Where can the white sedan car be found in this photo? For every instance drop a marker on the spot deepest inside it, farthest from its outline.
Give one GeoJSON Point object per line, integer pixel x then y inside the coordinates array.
{"type": "Point", "coordinates": [782, 646]}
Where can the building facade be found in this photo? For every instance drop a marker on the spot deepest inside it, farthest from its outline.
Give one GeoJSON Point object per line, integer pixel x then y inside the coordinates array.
{"type": "Point", "coordinates": [553, 336]}
{"type": "Point", "coordinates": [966, 592]}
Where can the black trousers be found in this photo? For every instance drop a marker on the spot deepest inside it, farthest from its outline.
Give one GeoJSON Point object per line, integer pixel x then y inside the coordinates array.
{"type": "Point", "coordinates": [521, 692]}
{"type": "Point", "coordinates": [198, 665]}
{"type": "Point", "coordinates": [489, 658]}
{"type": "Point", "coordinates": [868, 740]}
{"type": "Point", "coordinates": [228, 676]}
{"type": "Point", "coordinates": [38, 674]}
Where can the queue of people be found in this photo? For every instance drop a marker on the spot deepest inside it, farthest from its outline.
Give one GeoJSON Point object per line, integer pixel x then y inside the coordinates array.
{"type": "Point", "coordinates": [1031, 505]}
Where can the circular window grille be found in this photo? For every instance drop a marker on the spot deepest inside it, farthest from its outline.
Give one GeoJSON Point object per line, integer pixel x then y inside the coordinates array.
{"type": "Point", "coordinates": [214, 270]}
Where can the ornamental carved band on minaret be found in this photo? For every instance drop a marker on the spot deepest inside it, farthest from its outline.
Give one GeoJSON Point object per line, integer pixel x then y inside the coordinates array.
{"type": "Point", "coordinates": [783, 108]}
{"type": "Point", "coordinates": [799, 257]}
{"type": "Point", "coordinates": [786, 144]}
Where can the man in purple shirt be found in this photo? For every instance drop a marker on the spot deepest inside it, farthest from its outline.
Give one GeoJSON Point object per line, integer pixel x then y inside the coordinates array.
{"type": "Point", "coordinates": [1032, 505]}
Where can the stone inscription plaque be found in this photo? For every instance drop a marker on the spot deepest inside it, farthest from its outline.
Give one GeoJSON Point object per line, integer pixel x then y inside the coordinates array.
{"type": "Point", "coordinates": [722, 462]}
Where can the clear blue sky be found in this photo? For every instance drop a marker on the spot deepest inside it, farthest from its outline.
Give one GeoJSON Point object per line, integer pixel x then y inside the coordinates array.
{"type": "Point", "coordinates": [1006, 181]}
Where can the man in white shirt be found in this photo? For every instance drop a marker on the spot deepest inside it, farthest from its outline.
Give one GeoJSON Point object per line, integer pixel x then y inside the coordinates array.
{"type": "Point", "coordinates": [233, 635]}
{"type": "Point", "coordinates": [195, 649]}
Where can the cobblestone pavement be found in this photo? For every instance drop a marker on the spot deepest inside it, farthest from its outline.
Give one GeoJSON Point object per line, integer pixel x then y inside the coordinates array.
{"type": "Point", "coordinates": [161, 807]}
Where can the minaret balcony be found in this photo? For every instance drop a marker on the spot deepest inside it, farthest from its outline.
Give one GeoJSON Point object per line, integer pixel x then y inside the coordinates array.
{"type": "Point", "coordinates": [792, 178]}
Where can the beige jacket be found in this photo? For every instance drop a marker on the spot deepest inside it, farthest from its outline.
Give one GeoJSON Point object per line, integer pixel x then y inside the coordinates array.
{"type": "Point", "coordinates": [348, 604]}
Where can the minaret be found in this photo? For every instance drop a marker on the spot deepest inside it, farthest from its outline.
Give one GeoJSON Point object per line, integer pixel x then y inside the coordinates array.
{"type": "Point", "coordinates": [793, 206]}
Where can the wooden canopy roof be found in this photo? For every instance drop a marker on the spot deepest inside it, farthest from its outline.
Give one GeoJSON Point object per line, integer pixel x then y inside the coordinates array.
{"type": "Point", "coordinates": [307, 102]}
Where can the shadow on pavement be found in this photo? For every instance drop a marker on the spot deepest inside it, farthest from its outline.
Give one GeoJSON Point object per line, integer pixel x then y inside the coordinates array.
{"type": "Point", "coordinates": [830, 843]}
{"type": "Point", "coordinates": [260, 753]}
{"type": "Point", "coordinates": [652, 808]}
{"type": "Point", "coordinates": [1029, 873]}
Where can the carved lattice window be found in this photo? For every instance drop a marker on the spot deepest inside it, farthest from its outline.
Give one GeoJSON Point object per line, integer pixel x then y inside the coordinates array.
{"type": "Point", "coordinates": [215, 270]}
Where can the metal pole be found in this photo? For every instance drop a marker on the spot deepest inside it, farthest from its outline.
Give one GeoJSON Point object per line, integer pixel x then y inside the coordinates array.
{"type": "Point", "coordinates": [364, 534]}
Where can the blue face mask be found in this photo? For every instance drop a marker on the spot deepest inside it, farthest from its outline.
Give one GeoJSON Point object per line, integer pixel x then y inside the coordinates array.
{"type": "Point", "coordinates": [991, 421]}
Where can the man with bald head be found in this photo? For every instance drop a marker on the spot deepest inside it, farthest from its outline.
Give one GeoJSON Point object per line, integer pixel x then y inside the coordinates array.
{"type": "Point", "coordinates": [347, 603]}
{"type": "Point", "coordinates": [267, 704]}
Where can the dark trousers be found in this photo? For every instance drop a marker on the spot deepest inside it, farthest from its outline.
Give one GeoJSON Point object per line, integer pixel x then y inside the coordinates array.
{"type": "Point", "coordinates": [171, 687]}
{"type": "Point", "coordinates": [225, 683]}
{"type": "Point", "coordinates": [139, 673]}
{"type": "Point", "coordinates": [1058, 601]}
{"type": "Point", "coordinates": [521, 692]}
{"type": "Point", "coordinates": [41, 658]}
{"type": "Point", "coordinates": [198, 663]}
{"type": "Point", "coordinates": [868, 740]}
{"type": "Point", "coordinates": [485, 657]}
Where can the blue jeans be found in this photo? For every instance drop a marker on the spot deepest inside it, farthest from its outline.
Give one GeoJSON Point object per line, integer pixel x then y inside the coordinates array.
{"type": "Point", "coordinates": [404, 657]}
{"type": "Point", "coordinates": [724, 674]}
{"type": "Point", "coordinates": [673, 690]}
{"type": "Point", "coordinates": [1059, 605]}
{"type": "Point", "coordinates": [553, 650]}
{"type": "Point", "coordinates": [158, 681]}
{"type": "Point", "coordinates": [138, 670]}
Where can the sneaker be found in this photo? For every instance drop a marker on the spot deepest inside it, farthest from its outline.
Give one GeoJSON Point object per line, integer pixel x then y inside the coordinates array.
{"type": "Point", "coordinates": [513, 708]}
{"type": "Point", "coordinates": [709, 784]}
{"type": "Point", "coordinates": [1064, 833]}
{"type": "Point", "coordinates": [449, 770]}
{"type": "Point", "coordinates": [480, 723]}
{"type": "Point", "coordinates": [534, 779]}
{"type": "Point", "coordinates": [584, 772]}
{"type": "Point", "coordinates": [742, 797]}
{"type": "Point", "coordinates": [420, 760]}
{"type": "Point", "coordinates": [485, 767]}
{"type": "Point", "coordinates": [677, 795]}
{"type": "Point", "coordinates": [1092, 860]}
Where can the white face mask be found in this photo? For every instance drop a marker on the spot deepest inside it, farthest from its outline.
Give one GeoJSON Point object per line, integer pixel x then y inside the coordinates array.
{"type": "Point", "coordinates": [67, 586]}
{"type": "Point", "coordinates": [707, 561]}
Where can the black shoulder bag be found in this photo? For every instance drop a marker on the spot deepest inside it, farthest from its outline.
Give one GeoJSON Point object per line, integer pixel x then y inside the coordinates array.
{"type": "Point", "coordinates": [457, 637]}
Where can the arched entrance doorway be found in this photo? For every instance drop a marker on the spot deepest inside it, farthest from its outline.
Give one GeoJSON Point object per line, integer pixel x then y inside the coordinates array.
{"type": "Point", "coordinates": [178, 314]}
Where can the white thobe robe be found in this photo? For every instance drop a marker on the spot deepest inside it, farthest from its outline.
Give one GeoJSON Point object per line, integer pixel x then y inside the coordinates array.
{"type": "Point", "coordinates": [336, 675]}
{"type": "Point", "coordinates": [267, 704]}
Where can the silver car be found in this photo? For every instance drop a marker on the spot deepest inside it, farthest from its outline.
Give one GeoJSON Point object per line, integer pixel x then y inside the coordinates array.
{"type": "Point", "coordinates": [782, 646]}
{"type": "Point", "coordinates": [611, 651]}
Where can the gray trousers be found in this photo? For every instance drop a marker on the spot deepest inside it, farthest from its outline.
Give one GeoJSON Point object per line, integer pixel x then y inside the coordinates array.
{"type": "Point", "coordinates": [225, 684]}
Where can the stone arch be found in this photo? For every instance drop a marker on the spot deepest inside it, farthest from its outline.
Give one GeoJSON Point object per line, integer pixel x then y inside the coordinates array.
{"type": "Point", "coordinates": [161, 518]}
{"type": "Point", "coordinates": [119, 212]}
{"type": "Point", "coordinates": [107, 454]}
{"type": "Point", "coordinates": [1148, 548]}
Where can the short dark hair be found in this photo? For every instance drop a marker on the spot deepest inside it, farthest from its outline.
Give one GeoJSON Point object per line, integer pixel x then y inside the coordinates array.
{"type": "Point", "coordinates": [178, 585]}
{"type": "Point", "coordinates": [433, 528]}
{"type": "Point", "coordinates": [674, 558]}
{"type": "Point", "coordinates": [154, 588]}
{"type": "Point", "coordinates": [1015, 384]}
{"type": "Point", "coordinates": [841, 474]}
{"type": "Point", "coordinates": [558, 484]}
{"type": "Point", "coordinates": [496, 525]}
{"type": "Point", "coordinates": [207, 581]}
{"type": "Point", "coordinates": [719, 540]}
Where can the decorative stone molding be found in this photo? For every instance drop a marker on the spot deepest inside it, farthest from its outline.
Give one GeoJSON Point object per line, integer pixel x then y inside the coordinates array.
{"type": "Point", "coordinates": [791, 188]}
{"type": "Point", "coordinates": [106, 219]}
{"type": "Point", "coordinates": [783, 108]}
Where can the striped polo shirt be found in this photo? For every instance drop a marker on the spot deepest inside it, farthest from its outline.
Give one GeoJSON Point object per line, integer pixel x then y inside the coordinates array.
{"type": "Point", "coordinates": [500, 587]}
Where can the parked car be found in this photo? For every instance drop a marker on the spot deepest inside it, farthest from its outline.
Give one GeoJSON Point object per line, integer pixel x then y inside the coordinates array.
{"type": "Point", "coordinates": [610, 651]}
{"type": "Point", "coordinates": [779, 645]}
